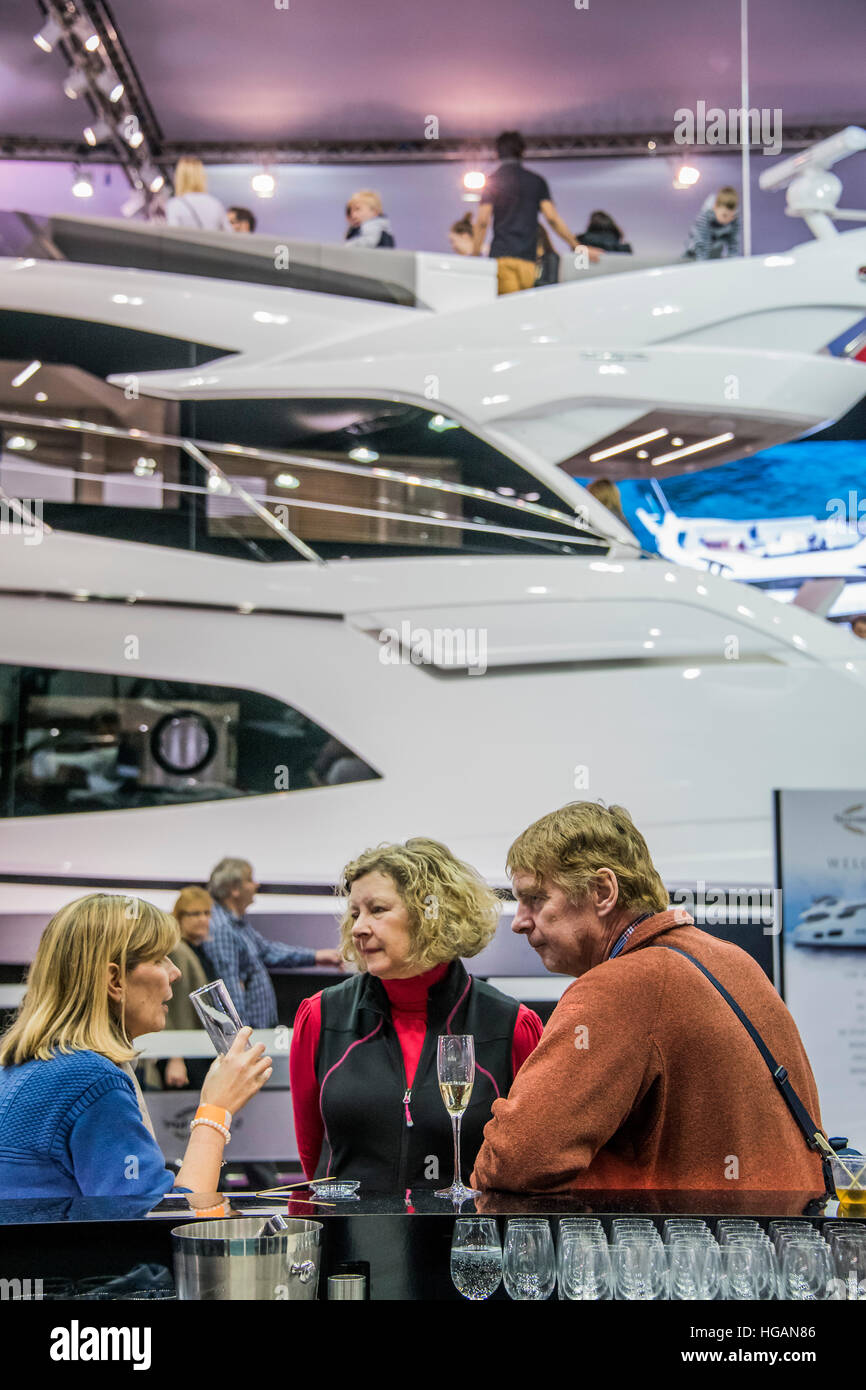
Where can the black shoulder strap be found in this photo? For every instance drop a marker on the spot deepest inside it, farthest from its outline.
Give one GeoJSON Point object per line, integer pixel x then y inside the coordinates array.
{"type": "Point", "coordinates": [812, 1134]}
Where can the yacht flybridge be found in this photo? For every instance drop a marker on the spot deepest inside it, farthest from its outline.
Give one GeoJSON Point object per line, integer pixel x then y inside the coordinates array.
{"type": "Point", "coordinates": [314, 572]}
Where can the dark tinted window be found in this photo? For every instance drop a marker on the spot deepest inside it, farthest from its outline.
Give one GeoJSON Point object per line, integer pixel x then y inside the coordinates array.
{"type": "Point", "coordinates": [75, 741]}
{"type": "Point", "coordinates": [410, 460]}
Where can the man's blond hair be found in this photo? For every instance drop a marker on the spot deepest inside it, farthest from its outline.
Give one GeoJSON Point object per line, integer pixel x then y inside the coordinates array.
{"type": "Point", "coordinates": [568, 847]}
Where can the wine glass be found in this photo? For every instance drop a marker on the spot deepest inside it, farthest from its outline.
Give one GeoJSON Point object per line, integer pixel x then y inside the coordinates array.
{"type": "Point", "coordinates": [456, 1068]}
{"type": "Point", "coordinates": [476, 1257]}
{"type": "Point", "coordinates": [583, 1266]}
{"type": "Point", "coordinates": [529, 1259]}
{"type": "Point", "coordinates": [695, 1267]}
{"type": "Point", "coordinates": [640, 1269]}
{"type": "Point", "coordinates": [807, 1270]}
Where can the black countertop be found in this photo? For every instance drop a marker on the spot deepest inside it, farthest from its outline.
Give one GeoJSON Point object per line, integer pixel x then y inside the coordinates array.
{"type": "Point", "coordinates": [401, 1242]}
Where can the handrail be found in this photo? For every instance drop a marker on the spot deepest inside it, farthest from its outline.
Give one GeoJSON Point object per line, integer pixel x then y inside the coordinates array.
{"type": "Point", "coordinates": [341, 508]}
{"type": "Point", "coordinates": [303, 460]}
{"type": "Point", "coordinates": [236, 490]}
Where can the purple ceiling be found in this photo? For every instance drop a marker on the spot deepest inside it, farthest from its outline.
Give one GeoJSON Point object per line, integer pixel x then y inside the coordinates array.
{"type": "Point", "coordinates": [341, 69]}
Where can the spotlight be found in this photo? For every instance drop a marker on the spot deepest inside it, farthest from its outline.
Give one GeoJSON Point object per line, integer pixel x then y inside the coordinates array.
{"type": "Point", "coordinates": [87, 35]}
{"type": "Point", "coordinates": [687, 176]}
{"type": "Point", "coordinates": [75, 83]}
{"type": "Point", "coordinates": [152, 178]}
{"type": "Point", "coordinates": [110, 85]}
{"type": "Point", "coordinates": [82, 186]}
{"type": "Point", "coordinates": [48, 35]}
{"type": "Point", "coordinates": [650, 144]}
{"type": "Point", "coordinates": [474, 180]}
{"type": "Point", "coordinates": [263, 184]}
{"type": "Point", "coordinates": [129, 130]}
{"type": "Point", "coordinates": [97, 134]}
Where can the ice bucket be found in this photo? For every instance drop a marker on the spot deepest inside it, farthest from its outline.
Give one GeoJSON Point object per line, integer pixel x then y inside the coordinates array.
{"type": "Point", "coordinates": [228, 1260]}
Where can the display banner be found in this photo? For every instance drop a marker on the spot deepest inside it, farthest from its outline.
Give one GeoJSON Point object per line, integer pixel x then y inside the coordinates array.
{"type": "Point", "coordinates": [821, 870]}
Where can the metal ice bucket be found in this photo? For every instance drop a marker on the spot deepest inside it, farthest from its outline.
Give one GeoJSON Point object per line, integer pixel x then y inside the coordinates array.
{"type": "Point", "coordinates": [228, 1260]}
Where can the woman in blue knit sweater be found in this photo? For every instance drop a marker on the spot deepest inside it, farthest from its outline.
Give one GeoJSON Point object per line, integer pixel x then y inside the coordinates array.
{"type": "Point", "coordinates": [72, 1118]}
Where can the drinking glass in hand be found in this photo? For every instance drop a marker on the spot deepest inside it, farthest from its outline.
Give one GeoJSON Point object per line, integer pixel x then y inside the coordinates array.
{"type": "Point", "coordinates": [476, 1257]}
{"type": "Point", "coordinates": [215, 1007]}
{"type": "Point", "coordinates": [529, 1260]}
{"type": "Point", "coordinates": [456, 1069]}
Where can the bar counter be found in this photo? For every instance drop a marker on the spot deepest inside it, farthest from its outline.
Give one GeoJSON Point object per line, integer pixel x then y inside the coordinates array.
{"type": "Point", "coordinates": [400, 1242]}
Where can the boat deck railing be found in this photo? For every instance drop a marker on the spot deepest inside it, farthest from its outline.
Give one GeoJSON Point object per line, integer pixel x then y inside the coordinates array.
{"type": "Point", "coordinates": [227, 494]}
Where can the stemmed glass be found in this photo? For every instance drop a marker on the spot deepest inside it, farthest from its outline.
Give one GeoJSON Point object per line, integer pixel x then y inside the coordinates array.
{"type": "Point", "coordinates": [476, 1257]}
{"type": "Point", "coordinates": [456, 1069]}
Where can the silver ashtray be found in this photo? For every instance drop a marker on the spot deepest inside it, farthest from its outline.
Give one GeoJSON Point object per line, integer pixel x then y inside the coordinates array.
{"type": "Point", "coordinates": [335, 1189]}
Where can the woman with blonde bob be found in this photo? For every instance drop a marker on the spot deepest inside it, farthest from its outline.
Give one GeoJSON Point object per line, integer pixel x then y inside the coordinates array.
{"type": "Point", "coordinates": [363, 1063]}
{"type": "Point", "coordinates": [192, 206]}
{"type": "Point", "coordinates": [72, 1118]}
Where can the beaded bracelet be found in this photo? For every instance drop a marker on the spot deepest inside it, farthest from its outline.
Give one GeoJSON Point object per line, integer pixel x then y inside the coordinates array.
{"type": "Point", "coordinates": [212, 1124]}
{"type": "Point", "coordinates": [214, 1112]}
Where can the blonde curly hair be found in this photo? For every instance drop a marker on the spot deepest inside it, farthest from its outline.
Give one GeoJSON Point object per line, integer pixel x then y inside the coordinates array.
{"type": "Point", "coordinates": [452, 911]}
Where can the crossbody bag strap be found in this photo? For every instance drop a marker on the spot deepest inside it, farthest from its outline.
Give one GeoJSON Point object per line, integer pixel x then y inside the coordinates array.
{"type": "Point", "coordinates": [813, 1135]}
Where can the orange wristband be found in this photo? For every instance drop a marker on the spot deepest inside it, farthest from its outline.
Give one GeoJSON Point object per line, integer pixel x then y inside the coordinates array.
{"type": "Point", "coordinates": [215, 1113]}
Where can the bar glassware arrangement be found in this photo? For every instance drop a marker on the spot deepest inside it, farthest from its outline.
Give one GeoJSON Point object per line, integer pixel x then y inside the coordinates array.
{"type": "Point", "coordinates": [794, 1260]}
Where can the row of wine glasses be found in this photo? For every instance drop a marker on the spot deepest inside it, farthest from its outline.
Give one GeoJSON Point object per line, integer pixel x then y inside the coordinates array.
{"type": "Point", "coordinates": [793, 1261]}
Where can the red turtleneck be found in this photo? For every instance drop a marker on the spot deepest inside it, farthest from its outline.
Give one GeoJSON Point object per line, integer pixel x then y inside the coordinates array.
{"type": "Point", "coordinates": [408, 1000]}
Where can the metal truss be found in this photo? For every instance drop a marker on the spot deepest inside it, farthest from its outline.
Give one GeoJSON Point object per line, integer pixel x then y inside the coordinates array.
{"type": "Point", "coordinates": [421, 151]}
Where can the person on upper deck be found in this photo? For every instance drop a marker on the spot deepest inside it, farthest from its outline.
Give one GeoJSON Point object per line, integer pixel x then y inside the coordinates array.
{"type": "Point", "coordinates": [364, 1081]}
{"type": "Point", "coordinates": [368, 225]}
{"type": "Point", "coordinates": [192, 206]}
{"type": "Point", "coordinates": [645, 1077]}
{"type": "Point", "coordinates": [513, 197]}
{"type": "Point", "coordinates": [603, 232]}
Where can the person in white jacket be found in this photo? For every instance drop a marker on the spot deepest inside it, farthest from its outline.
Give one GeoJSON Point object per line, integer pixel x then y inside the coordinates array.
{"type": "Point", "coordinates": [192, 205]}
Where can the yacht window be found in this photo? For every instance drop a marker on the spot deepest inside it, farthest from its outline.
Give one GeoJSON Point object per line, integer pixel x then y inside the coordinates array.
{"type": "Point", "coordinates": [95, 483]}
{"type": "Point", "coordinates": [396, 461]}
{"type": "Point", "coordinates": [75, 741]}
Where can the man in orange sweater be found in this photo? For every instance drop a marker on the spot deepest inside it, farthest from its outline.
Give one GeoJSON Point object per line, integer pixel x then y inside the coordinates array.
{"type": "Point", "coordinates": [644, 1076]}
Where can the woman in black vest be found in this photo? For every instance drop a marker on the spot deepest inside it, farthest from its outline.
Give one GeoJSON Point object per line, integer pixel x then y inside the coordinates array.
{"type": "Point", "coordinates": [365, 1090]}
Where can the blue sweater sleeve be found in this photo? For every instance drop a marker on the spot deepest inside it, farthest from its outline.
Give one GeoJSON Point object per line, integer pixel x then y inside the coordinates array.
{"type": "Point", "coordinates": [113, 1154]}
{"type": "Point", "coordinates": [280, 953]}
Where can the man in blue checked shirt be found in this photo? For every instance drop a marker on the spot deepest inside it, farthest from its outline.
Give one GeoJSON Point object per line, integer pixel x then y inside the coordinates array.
{"type": "Point", "coordinates": [241, 955]}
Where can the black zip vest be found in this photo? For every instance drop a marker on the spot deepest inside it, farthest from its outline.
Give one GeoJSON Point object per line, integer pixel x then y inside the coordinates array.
{"type": "Point", "coordinates": [378, 1131]}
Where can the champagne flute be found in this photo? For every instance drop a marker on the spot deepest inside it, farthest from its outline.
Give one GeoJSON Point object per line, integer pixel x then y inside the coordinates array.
{"type": "Point", "coordinates": [456, 1068]}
